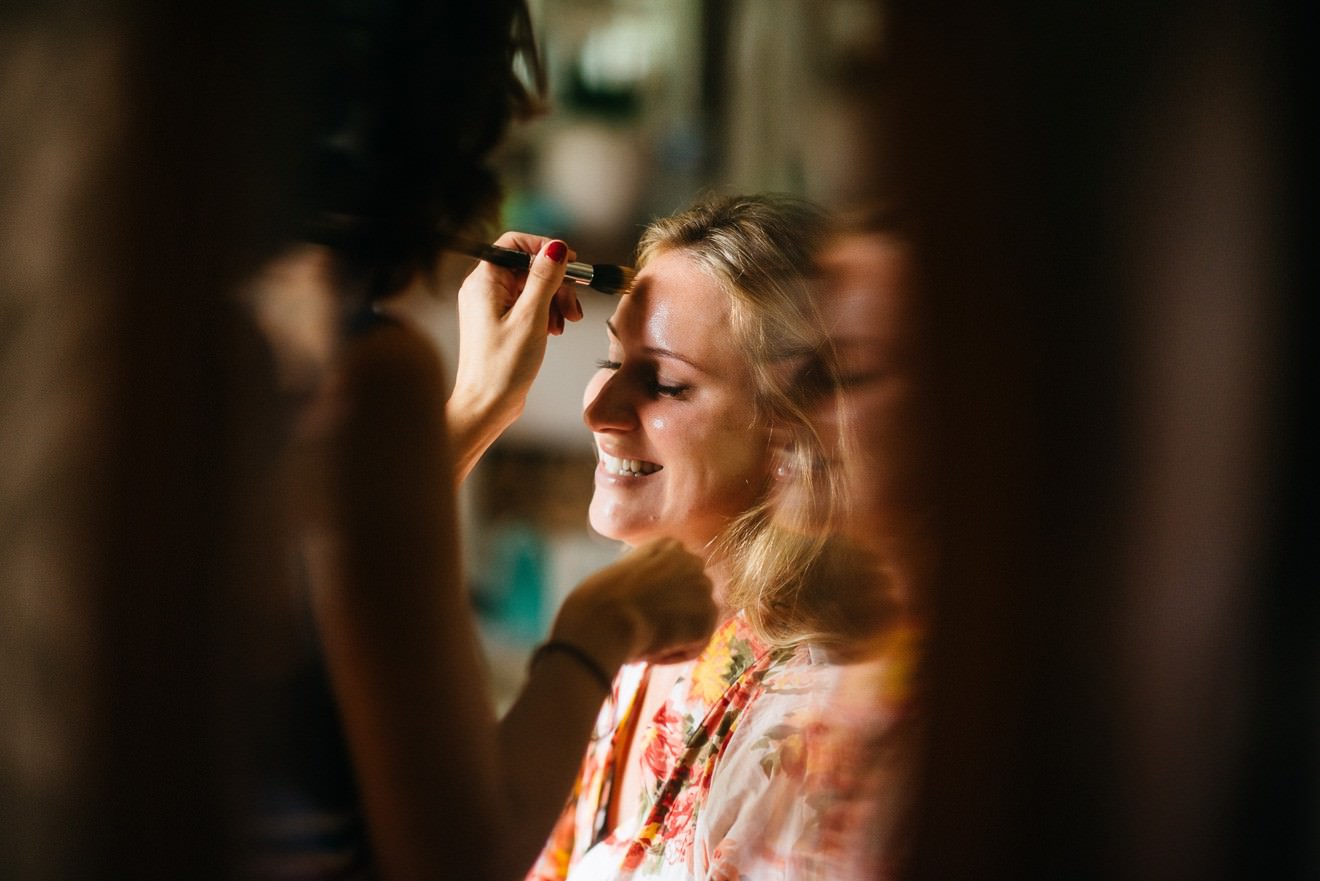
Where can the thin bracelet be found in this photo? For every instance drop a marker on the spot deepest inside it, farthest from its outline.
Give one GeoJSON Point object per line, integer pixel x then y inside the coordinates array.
{"type": "Point", "coordinates": [586, 660]}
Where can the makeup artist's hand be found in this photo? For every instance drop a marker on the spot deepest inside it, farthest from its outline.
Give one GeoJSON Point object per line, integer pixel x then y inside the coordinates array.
{"type": "Point", "coordinates": [504, 318]}
{"type": "Point", "coordinates": [652, 604]}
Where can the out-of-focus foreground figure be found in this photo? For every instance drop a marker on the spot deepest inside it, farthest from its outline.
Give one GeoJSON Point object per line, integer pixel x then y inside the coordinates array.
{"type": "Point", "coordinates": [866, 500]}
{"type": "Point", "coordinates": [1113, 231]}
{"type": "Point", "coordinates": [237, 639]}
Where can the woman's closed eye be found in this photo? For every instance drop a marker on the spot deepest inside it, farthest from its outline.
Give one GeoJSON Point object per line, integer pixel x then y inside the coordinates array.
{"type": "Point", "coordinates": [670, 391]}
{"type": "Point", "coordinates": [656, 385]}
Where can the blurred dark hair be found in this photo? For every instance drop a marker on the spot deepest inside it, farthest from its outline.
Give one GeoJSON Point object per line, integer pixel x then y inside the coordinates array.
{"type": "Point", "coordinates": [417, 95]}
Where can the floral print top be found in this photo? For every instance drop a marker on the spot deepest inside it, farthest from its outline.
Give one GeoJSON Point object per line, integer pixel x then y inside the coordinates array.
{"type": "Point", "coordinates": [741, 772]}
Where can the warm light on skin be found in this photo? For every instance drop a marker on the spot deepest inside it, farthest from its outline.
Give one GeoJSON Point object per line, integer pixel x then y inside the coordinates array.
{"type": "Point", "coordinates": [676, 395]}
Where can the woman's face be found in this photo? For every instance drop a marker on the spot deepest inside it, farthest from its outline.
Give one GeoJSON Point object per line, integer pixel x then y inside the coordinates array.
{"type": "Point", "coordinates": [680, 447]}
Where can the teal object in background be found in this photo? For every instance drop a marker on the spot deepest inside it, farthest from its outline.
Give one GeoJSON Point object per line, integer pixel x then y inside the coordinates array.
{"type": "Point", "coordinates": [518, 570]}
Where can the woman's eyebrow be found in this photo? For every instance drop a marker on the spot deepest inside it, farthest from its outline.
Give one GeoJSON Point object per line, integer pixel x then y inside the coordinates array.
{"type": "Point", "coordinates": [667, 353]}
{"type": "Point", "coordinates": [659, 351]}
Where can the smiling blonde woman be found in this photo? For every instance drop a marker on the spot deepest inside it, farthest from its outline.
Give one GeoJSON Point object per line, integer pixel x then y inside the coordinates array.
{"type": "Point", "coordinates": [695, 423]}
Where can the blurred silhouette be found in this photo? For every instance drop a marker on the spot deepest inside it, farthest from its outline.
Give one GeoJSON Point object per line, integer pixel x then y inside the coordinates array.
{"type": "Point", "coordinates": [244, 539]}
{"type": "Point", "coordinates": [865, 499]}
{"type": "Point", "coordinates": [1107, 222]}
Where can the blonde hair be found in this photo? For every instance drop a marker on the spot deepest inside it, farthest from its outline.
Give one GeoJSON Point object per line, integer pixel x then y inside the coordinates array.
{"type": "Point", "coordinates": [760, 250]}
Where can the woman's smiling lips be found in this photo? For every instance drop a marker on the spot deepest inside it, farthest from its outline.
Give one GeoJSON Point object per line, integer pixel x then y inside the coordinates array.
{"type": "Point", "coordinates": [622, 467]}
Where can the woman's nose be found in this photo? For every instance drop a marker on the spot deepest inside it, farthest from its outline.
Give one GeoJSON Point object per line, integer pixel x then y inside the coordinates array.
{"type": "Point", "coordinates": [609, 406]}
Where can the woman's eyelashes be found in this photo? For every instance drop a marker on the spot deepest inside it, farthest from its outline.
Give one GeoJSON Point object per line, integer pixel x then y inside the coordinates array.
{"type": "Point", "coordinates": [652, 379]}
{"type": "Point", "coordinates": [670, 391]}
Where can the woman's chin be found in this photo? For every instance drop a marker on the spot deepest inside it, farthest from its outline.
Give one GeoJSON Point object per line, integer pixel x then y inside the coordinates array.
{"type": "Point", "coordinates": [618, 523]}
{"type": "Point", "coordinates": [606, 528]}
{"type": "Point", "coordinates": [624, 533]}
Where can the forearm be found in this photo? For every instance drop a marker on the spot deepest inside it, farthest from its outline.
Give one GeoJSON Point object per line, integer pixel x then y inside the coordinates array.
{"type": "Point", "coordinates": [543, 737]}
{"type": "Point", "coordinates": [475, 423]}
{"type": "Point", "coordinates": [653, 603]}
{"type": "Point", "coordinates": [541, 743]}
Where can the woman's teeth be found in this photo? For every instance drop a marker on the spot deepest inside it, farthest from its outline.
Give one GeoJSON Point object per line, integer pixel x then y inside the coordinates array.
{"type": "Point", "coordinates": [628, 467]}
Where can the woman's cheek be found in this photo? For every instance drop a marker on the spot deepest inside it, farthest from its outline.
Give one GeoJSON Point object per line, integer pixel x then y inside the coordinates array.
{"type": "Point", "coordinates": [744, 463]}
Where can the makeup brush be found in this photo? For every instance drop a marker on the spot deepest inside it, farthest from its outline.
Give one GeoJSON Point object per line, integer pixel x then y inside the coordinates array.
{"type": "Point", "coordinates": [607, 278]}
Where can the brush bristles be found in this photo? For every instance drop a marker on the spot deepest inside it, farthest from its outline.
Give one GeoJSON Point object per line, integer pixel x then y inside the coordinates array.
{"type": "Point", "coordinates": [611, 279]}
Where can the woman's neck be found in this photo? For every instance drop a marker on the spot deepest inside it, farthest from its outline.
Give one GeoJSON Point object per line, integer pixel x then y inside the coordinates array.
{"type": "Point", "coordinates": [717, 570]}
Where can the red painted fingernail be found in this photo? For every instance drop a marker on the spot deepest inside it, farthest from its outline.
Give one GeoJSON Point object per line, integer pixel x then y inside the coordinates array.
{"type": "Point", "coordinates": [556, 251]}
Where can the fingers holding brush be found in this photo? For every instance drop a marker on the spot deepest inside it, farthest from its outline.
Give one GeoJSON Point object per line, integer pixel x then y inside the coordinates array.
{"type": "Point", "coordinates": [538, 269]}
{"type": "Point", "coordinates": [546, 293]}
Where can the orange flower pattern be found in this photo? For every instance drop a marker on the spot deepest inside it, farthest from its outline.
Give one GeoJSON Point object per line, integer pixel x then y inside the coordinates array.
{"type": "Point", "coordinates": [747, 771]}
